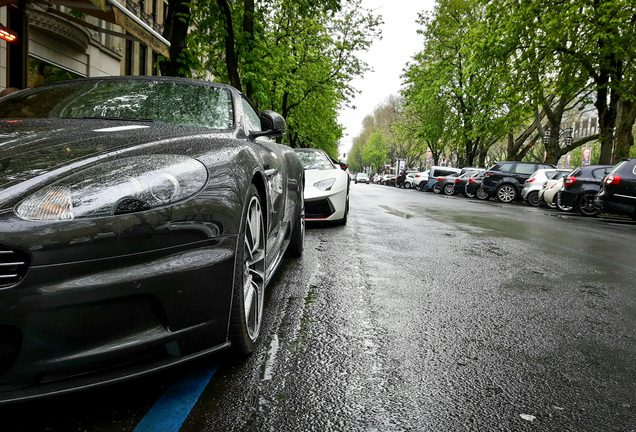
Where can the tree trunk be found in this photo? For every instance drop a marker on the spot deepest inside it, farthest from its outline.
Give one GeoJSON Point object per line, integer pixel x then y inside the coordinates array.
{"type": "Point", "coordinates": [606, 121]}
{"type": "Point", "coordinates": [248, 29]}
{"type": "Point", "coordinates": [231, 61]}
{"type": "Point", "coordinates": [176, 30]}
{"type": "Point", "coordinates": [624, 125]}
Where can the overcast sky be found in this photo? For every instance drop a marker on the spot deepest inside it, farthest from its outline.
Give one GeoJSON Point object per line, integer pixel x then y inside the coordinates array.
{"type": "Point", "coordinates": [387, 57]}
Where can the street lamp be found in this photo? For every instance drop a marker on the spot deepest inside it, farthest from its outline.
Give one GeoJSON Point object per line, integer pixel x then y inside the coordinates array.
{"type": "Point", "coordinates": [568, 132]}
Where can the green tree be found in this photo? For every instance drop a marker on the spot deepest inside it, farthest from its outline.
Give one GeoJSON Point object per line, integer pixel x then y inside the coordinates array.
{"type": "Point", "coordinates": [297, 57]}
{"type": "Point", "coordinates": [590, 41]}
{"type": "Point", "coordinates": [375, 152]}
{"type": "Point", "coordinates": [459, 100]}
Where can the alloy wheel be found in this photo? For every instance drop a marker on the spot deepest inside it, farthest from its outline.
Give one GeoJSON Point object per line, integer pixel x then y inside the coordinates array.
{"type": "Point", "coordinates": [586, 205]}
{"type": "Point", "coordinates": [506, 193]}
{"type": "Point", "coordinates": [481, 193]}
{"type": "Point", "coordinates": [533, 199]}
{"type": "Point", "coordinates": [254, 268]}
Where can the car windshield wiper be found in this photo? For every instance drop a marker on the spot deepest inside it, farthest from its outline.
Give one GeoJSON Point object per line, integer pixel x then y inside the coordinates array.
{"type": "Point", "coordinates": [120, 119]}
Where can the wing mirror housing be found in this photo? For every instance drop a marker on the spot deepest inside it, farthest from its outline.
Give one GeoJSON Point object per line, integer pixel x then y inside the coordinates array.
{"type": "Point", "coordinates": [343, 165]}
{"type": "Point", "coordinates": [272, 125]}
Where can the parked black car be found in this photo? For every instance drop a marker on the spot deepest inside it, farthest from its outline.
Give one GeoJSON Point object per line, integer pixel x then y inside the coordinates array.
{"type": "Point", "coordinates": [134, 215]}
{"type": "Point", "coordinates": [581, 186]}
{"type": "Point", "coordinates": [505, 180]}
{"type": "Point", "coordinates": [473, 187]}
{"type": "Point", "coordinates": [462, 182]}
{"type": "Point", "coordinates": [618, 190]}
{"type": "Point", "coordinates": [448, 184]}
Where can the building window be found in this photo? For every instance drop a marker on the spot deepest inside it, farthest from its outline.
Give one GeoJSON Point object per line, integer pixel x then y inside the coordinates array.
{"type": "Point", "coordinates": [155, 63]}
{"type": "Point", "coordinates": [128, 58]}
{"type": "Point", "coordinates": [143, 49]}
{"type": "Point", "coordinates": [42, 72]}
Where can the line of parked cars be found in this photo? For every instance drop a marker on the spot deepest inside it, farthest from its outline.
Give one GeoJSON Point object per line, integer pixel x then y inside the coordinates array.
{"type": "Point", "coordinates": [589, 190]}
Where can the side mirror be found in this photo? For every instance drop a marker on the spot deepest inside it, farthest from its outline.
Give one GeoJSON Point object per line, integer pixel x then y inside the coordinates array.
{"type": "Point", "coordinates": [272, 124]}
{"type": "Point", "coordinates": [343, 165]}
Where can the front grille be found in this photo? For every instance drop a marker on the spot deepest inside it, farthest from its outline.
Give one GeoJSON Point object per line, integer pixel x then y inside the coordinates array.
{"type": "Point", "coordinates": [320, 209]}
{"type": "Point", "coordinates": [13, 266]}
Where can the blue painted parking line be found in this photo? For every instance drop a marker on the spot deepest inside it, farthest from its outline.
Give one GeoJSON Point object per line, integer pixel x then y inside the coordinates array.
{"type": "Point", "coordinates": [174, 406]}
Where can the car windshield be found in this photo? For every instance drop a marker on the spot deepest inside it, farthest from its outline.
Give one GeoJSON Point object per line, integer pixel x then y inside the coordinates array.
{"type": "Point", "coordinates": [314, 160]}
{"type": "Point", "coordinates": [170, 103]}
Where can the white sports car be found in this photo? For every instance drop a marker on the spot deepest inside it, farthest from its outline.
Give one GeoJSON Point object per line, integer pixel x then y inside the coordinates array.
{"type": "Point", "coordinates": [326, 186]}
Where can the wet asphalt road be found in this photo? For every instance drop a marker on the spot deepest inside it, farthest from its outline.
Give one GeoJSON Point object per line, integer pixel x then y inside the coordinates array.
{"type": "Point", "coordinates": [423, 313]}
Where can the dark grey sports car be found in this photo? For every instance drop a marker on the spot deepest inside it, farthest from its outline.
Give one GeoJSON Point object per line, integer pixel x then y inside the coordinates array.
{"type": "Point", "coordinates": [140, 221]}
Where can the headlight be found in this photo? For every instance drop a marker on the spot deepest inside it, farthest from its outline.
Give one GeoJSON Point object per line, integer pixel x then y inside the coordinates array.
{"type": "Point", "coordinates": [123, 186]}
{"type": "Point", "coordinates": [325, 185]}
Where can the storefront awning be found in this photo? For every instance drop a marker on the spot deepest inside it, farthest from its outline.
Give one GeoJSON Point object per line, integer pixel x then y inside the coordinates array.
{"type": "Point", "coordinates": [112, 11]}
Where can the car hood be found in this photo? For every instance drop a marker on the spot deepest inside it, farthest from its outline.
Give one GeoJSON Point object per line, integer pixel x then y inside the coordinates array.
{"type": "Point", "coordinates": [314, 175]}
{"type": "Point", "coordinates": [33, 152]}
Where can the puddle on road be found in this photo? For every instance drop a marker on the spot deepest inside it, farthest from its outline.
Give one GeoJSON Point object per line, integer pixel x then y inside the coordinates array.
{"type": "Point", "coordinates": [270, 359]}
{"type": "Point", "coordinates": [395, 212]}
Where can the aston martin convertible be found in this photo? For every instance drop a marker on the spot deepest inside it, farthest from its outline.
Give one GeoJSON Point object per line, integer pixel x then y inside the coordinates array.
{"type": "Point", "coordinates": [140, 221]}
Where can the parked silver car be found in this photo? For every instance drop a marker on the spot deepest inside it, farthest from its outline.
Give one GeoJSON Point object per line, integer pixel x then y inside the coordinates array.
{"type": "Point", "coordinates": [532, 186]}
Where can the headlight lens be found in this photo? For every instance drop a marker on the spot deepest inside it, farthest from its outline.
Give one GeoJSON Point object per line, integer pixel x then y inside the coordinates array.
{"type": "Point", "coordinates": [325, 185]}
{"type": "Point", "coordinates": [123, 186]}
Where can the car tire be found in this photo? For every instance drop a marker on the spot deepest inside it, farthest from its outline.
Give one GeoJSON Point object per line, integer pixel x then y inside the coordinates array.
{"type": "Point", "coordinates": [506, 193]}
{"type": "Point", "coordinates": [468, 194]}
{"type": "Point", "coordinates": [449, 189]}
{"type": "Point", "coordinates": [533, 199]}
{"type": "Point", "coordinates": [436, 190]}
{"type": "Point", "coordinates": [407, 185]}
{"type": "Point", "coordinates": [249, 278]}
{"type": "Point", "coordinates": [482, 194]}
{"type": "Point", "coordinates": [559, 204]}
{"type": "Point", "coordinates": [551, 205]}
{"type": "Point", "coordinates": [586, 206]}
{"type": "Point", "coordinates": [297, 241]}
{"type": "Point", "coordinates": [343, 221]}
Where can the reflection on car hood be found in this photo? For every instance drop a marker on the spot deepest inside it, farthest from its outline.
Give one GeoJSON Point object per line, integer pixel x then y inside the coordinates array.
{"type": "Point", "coordinates": [38, 150]}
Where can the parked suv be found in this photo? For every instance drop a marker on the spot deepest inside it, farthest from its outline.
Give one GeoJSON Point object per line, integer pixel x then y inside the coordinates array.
{"type": "Point", "coordinates": [420, 179]}
{"type": "Point", "coordinates": [581, 187]}
{"type": "Point", "coordinates": [618, 190]}
{"type": "Point", "coordinates": [505, 180]}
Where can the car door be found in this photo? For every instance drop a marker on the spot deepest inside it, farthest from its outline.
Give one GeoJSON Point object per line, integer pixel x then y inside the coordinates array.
{"type": "Point", "coordinates": [275, 171]}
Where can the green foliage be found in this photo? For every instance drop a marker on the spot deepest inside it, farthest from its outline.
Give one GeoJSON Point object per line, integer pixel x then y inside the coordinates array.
{"type": "Point", "coordinates": [374, 153]}
{"type": "Point", "coordinates": [297, 57]}
{"type": "Point", "coordinates": [490, 70]}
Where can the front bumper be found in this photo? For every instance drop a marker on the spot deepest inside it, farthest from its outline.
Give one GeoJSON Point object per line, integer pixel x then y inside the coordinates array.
{"type": "Point", "coordinates": [74, 322]}
{"type": "Point", "coordinates": [325, 205]}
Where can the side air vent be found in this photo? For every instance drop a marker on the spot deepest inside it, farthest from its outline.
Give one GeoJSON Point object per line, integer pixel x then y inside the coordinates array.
{"type": "Point", "coordinates": [13, 266]}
